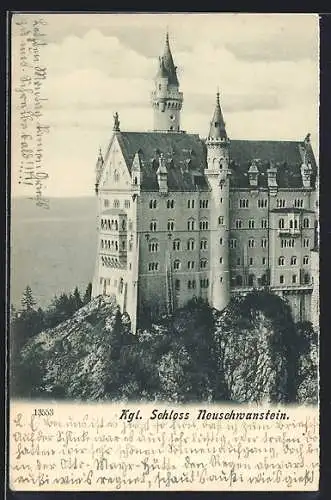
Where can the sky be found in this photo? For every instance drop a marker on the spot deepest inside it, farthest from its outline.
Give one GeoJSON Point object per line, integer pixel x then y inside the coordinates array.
{"type": "Point", "coordinates": [265, 66]}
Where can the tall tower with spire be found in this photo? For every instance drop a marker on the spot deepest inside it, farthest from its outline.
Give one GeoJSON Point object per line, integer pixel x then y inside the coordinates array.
{"type": "Point", "coordinates": [217, 173]}
{"type": "Point", "coordinates": [167, 101]}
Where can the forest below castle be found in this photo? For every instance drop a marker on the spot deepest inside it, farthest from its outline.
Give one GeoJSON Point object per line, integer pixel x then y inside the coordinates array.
{"type": "Point", "coordinates": [80, 348]}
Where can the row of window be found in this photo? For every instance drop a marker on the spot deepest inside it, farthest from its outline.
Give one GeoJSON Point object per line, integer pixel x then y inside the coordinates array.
{"type": "Point", "coordinates": [263, 203]}
{"type": "Point", "coordinates": [293, 260]}
{"type": "Point", "coordinates": [239, 261]}
{"type": "Point", "coordinates": [116, 203]}
{"type": "Point", "coordinates": [114, 245]}
{"type": "Point", "coordinates": [251, 224]}
{"type": "Point", "coordinates": [238, 280]}
{"type": "Point", "coordinates": [190, 264]}
{"type": "Point", "coordinates": [284, 243]}
{"type": "Point", "coordinates": [191, 284]}
{"type": "Point", "coordinates": [112, 224]}
{"type": "Point", "coordinates": [171, 204]}
{"type": "Point", "coordinates": [107, 281]}
{"type": "Point", "coordinates": [243, 203]}
{"type": "Point", "coordinates": [153, 245]}
{"type": "Point", "coordinates": [203, 224]}
{"type": "Point", "coordinates": [294, 224]}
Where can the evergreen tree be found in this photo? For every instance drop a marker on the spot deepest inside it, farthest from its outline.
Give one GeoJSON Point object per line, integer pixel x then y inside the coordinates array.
{"type": "Point", "coordinates": [28, 302]}
{"type": "Point", "coordinates": [77, 301]}
{"type": "Point", "coordinates": [88, 293]}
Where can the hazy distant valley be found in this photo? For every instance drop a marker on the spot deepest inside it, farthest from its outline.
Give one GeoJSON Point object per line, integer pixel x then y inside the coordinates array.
{"type": "Point", "coordinates": [52, 250]}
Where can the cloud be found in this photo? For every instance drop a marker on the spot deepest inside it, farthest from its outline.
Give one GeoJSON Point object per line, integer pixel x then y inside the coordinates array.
{"type": "Point", "coordinates": [99, 64]}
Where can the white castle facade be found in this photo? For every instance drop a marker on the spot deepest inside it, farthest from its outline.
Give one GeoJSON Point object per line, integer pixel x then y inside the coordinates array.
{"type": "Point", "coordinates": [181, 217]}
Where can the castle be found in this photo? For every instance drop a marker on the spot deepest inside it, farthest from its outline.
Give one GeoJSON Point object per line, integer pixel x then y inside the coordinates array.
{"type": "Point", "coordinates": [182, 217]}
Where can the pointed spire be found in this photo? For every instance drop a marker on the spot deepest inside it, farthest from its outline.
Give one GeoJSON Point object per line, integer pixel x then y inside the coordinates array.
{"type": "Point", "coordinates": [169, 63]}
{"type": "Point", "coordinates": [217, 125]}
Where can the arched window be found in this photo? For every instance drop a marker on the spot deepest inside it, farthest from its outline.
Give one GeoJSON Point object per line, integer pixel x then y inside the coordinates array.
{"type": "Point", "coordinates": [281, 261]}
{"type": "Point", "coordinates": [306, 260]}
{"type": "Point", "coordinates": [203, 225]}
{"type": "Point", "coordinates": [190, 225]}
{"type": "Point", "coordinates": [239, 280]}
{"type": "Point", "coordinates": [171, 225]}
{"type": "Point", "coordinates": [176, 245]}
{"type": "Point", "coordinates": [306, 222]}
{"type": "Point", "coordinates": [221, 220]}
{"type": "Point", "coordinates": [116, 176]}
{"type": "Point", "coordinates": [293, 260]}
{"type": "Point", "coordinates": [203, 263]}
{"type": "Point", "coordinates": [176, 265]}
{"type": "Point", "coordinates": [291, 224]}
{"type": "Point", "coordinates": [281, 223]}
{"type": "Point", "coordinates": [153, 246]}
{"type": "Point", "coordinates": [203, 244]}
{"type": "Point", "coordinates": [116, 225]}
{"type": "Point", "coordinates": [251, 280]}
{"type": "Point", "coordinates": [190, 244]}
{"type": "Point", "coordinates": [116, 203]}
{"type": "Point", "coordinates": [153, 225]}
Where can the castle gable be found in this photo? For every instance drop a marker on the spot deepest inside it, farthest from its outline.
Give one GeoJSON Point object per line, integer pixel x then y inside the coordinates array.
{"type": "Point", "coordinates": [184, 154]}
{"type": "Point", "coordinates": [115, 173]}
{"type": "Point", "coordinates": [285, 156]}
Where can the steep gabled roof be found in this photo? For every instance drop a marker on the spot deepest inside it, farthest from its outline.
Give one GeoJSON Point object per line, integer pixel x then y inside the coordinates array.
{"type": "Point", "coordinates": [285, 156]}
{"type": "Point", "coordinates": [185, 156]}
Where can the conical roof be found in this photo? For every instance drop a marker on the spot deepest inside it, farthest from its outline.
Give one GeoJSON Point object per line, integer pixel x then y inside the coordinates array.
{"type": "Point", "coordinates": [217, 125]}
{"type": "Point", "coordinates": [168, 63]}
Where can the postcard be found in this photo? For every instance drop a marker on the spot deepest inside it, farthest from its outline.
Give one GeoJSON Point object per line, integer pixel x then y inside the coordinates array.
{"type": "Point", "coordinates": [164, 290]}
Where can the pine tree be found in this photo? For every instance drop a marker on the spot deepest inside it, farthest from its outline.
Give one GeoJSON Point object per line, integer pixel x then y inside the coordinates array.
{"type": "Point", "coordinates": [77, 299]}
{"type": "Point", "coordinates": [28, 301]}
{"type": "Point", "coordinates": [88, 293]}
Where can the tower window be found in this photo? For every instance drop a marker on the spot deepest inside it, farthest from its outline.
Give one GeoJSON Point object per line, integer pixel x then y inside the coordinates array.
{"type": "Point", "coordinates": [305, 222]}
{"type": "Point", "coordinates": [176, 245]}
{"type": "Point", "coordinates": [190, 225]}
{"type": "Point", "coordinates": [153, 246]}
{"type": "Point", "coordinates": [171, 225]}
{"type": "Point", "coordinates": [153, 225]}
{"type": "Point", "coordinates": [305, 260]}
{"type": "Point", "coordinates": [281, 261]}
{"type": "Point", "coordinates": [281, 279]}
{"type": "Point", "coordinates": [203, 263]}
{"type": "Point", "coordinates": [190, 264]}
{"type": "Point", "coordinates": [152, 204]}
{"type": "Point", "coordinates": [251, 279]}
{"type": "Point", "coordinates": [176, 265]}
{"type": "Point", "coordinates": [293, 260]}
{"type": "Point", "coordinates": [203, 245]}
{"type": "Point", "coordinates": [294, 278]}
{"type": "Point", "coordinates": [190, 244]}
{"type": "Point", "coordinates": [251, 223]}
{"type": "Point", "coordinates": [251, 243]}
{"type": "Point", "coordinates": [238, 224]}
{"type": "Point", "coordinates": [239, 280]}
{"type": "Point", "coordinates": [177, 285]}
{"type": "Point", "coordinates": [281, 223]}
